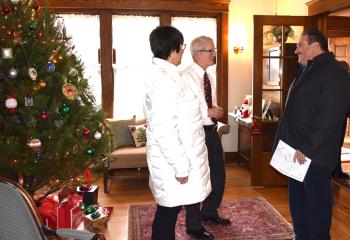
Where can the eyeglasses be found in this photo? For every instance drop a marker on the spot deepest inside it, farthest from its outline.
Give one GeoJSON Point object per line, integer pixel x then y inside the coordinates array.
{"type": "Point", "coordinates": [183, 46]}
{"type": "Point", "coordinates": [208, 50]}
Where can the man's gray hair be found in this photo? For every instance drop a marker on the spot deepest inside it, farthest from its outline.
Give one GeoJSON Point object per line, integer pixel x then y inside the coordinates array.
{"type": "Point", "coordinates": [198, 44]}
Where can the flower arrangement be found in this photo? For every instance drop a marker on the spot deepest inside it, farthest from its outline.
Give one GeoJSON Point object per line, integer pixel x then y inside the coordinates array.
{"type": "Point", "coordinates": [276, 33]}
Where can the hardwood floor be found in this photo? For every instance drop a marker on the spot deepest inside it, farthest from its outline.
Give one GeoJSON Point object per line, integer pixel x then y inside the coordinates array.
{"type": "Point", "coordinates": [124, 192]}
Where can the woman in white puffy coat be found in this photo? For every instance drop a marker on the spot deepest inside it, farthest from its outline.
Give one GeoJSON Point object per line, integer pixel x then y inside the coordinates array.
{"type": "Point", "coordinates": [176, 152]}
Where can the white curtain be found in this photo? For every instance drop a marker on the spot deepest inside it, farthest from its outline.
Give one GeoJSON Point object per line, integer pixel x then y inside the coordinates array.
{"type": "Point", "coordinates": [133, 57]}
{"type": "Point", "coordinates": [192, 27]}
{"type": "Point", "coordinates": [85, 33]}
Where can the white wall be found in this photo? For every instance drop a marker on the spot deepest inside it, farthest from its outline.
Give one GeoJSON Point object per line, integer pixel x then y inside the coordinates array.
{"type": "Point", "coordinates": [240, 65]}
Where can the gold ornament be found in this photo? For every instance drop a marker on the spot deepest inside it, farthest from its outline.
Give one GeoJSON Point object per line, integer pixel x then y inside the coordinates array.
{"type": "Point", "coordinates": [42, 84]}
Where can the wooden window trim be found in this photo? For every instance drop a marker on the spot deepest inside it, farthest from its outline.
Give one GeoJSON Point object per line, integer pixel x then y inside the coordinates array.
{"type": "Point", "coordinates": [165, 10]}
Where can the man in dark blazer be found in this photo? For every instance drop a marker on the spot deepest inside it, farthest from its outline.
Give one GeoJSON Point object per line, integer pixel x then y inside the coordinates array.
{"type": "Point", "coordinates": [312, 123]}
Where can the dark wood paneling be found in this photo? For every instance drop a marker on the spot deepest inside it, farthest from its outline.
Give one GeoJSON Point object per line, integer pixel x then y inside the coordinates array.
{"type": "Point", "coordinates": [337, 26]}
{"type": "Point", "coordinates": [106, 62]}
{"type": "Point", "coordinates": [316, 7]}
{"type": "Point", "coordinates": [175, 5]}
{"type": "Point", "coordinates": [222, 63]}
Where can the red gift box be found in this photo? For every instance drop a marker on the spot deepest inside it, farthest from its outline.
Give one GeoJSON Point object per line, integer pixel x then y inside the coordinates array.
{"type": "Point", "coordinates": [48, 211]}
{"type": "Point", "coordinates": [65, 193]}
{"type": "Point", "coordinates": [69, 214]}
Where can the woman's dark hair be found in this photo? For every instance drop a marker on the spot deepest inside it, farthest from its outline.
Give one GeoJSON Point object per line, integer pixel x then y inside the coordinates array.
{"type": "Point", "coordinates": [164, 40]}
{"type": "Point", "coordinates": [315, 35]}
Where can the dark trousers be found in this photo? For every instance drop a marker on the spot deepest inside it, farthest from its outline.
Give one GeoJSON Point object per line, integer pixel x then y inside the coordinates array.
{"type": "Point", "coordinates": [217, 177]}
{"type": "Point", "coordinates": [164, 223]}
{"type": "Point", "coordinates": [311, 204]}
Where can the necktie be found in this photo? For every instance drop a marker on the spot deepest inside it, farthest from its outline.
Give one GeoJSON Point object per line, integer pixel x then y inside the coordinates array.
{"type": "Point", "coordinates": [207, 93]}
{"type": "Point", "coordinates": [207, 90]}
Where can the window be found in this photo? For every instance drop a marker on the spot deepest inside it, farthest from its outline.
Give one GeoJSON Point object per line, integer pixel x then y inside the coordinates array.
{"type": "Point", "coordinates": [85, 33]}
{"type": "Point", "coordinates": [133, 57]}
{"type": "Point", "coordinates": [192, 27]}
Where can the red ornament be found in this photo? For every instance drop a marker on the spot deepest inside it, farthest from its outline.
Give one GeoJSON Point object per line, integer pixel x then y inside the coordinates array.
{"type": "Point", "coordinates": [86, 132]}
{"type": "Point", "coordinates": [6, 9]}
{"type": "Point", "coordinates": [74, 57]}
{"type": "Point", "coordinates": [36, 5]}
{"type": "Point", "coordinates": [43, 116]}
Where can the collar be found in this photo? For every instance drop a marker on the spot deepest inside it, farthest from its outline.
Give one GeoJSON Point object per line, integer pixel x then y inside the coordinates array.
{"type": "Point", "coordinates": [322, 58]}
{"type": "Point", "coordinates": [198, 69]}
{"type": "Point", "coordinates": [164, 64]}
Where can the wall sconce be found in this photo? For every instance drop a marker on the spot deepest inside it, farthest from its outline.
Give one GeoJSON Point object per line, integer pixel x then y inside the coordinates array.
{"type": "Point", "coordinates": [238, 49]}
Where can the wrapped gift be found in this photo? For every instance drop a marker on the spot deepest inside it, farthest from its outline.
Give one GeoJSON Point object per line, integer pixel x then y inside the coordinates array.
{"type": "Point", "coordinates": [89, 194]}
{"type": "Point", "coordinates": [48, 211]}
{"type": "Point", "coordinates": [66, 192]}
{"type": "Point", "coordinates": [95, 222]}
{"type": "Point", "coordinates": [69, 214]}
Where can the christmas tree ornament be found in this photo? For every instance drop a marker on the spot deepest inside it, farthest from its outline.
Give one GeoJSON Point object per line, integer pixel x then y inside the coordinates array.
{"type": "Point", "coordinates": [11, 104]}
{"type": "Point", "coordinates": [70, 91]}
{"type": "Point", "coordinates": [6, 9]}
{"type": "Point", "coordinates": [64, 109]}
{"type": "Point", "coordinates": [15, 2]}
{"type": "Point", "coordinates": [43, 116]}
{"type": "Point", "coordinates": [32, 73]}
{"type": "Point", "coordinates": [32, 25]}
{"type": "Point", "coordinates": [34, 144]}
{"type": "Point", "coordinates": [42, 84]}
{"type": "Point", "coordinates": [73, 72]}
{"type": "Point", "coordinates": [97, 135]}
{"type": "Point", "coordinates": [36, 5]}
{"type": "Point", "coordinates": [17, 120]}
{"type": "Point", "coordinates": [58, 123]}
{"type": "Point", "coordinates": [12, 73]}
{"type": "Point", "coordinates": [86, 132]}
{"type": "Point", "coordinates": [74, 57]}
{"type": "Point", "coordinates": [6, 53]}
{"type": "Point", "coordinates": [50, 67]}
{"type": "Point", "coordinates": [1, 78]}
{"type": "Point", "coordinates": [90, 151]}
{"type": "Point", "coordinates": [28, 101]}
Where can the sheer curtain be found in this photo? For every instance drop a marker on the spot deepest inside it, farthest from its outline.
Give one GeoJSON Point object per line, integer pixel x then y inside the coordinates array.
{"type": "Point", "coordinates": [85, 33]}
{"type": "Point", "coordinates": [192, 27]}
{"type": "Point", "coordinates": [133, 57]}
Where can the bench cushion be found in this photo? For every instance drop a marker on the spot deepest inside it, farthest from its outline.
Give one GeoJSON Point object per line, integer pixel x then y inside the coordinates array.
{"type": "Point", "coordinates": [129, 157]}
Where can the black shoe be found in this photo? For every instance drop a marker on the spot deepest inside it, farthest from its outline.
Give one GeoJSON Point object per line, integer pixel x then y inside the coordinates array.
{"type": "Point", "coordinates": [217, 220]}
{"type": "Point", "coordinates": [203, 234]}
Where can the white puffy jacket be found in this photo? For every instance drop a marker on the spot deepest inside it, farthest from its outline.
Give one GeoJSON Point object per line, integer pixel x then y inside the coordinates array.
{"type": "Point", "coordinates": [175, 138]}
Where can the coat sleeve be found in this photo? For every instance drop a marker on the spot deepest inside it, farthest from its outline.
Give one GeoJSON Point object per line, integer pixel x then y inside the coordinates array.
{"type": "Point", "coordinates": [165, 125]}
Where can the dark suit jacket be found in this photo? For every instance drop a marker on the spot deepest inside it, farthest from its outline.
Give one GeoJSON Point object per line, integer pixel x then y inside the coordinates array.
{"type": "Point", "coordinates": [316, 109]}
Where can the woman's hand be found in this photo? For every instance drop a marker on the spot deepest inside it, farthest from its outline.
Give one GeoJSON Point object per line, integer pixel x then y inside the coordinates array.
{"type": "Point", "coordinates": [182, 180]}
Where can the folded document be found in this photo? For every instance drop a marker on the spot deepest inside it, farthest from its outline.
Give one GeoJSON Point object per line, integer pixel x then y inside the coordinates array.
{"type": "Point", "coordinates": [282, 161]}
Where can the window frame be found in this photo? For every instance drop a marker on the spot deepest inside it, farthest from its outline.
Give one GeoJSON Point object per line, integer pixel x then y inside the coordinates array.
{"type": "Point", "coordinates": [179, 8]}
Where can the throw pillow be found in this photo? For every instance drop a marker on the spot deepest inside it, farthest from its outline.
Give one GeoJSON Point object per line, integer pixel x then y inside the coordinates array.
{"type": "Point", "coordinates": [138, 132]}
{"type": "Point", "coordinates": [121, 133]}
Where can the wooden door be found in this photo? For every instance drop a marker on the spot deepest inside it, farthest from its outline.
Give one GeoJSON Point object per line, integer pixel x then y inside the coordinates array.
{"type": "Point", "coordinates": [275, 66]}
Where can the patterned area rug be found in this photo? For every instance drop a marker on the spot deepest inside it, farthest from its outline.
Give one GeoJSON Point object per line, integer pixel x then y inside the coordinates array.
{"type": "Point", "coordinates": [251, 219]}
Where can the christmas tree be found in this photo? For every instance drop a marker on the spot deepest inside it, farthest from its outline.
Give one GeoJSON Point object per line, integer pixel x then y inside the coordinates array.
{"type": "Point", "coordinates": [51, 130]}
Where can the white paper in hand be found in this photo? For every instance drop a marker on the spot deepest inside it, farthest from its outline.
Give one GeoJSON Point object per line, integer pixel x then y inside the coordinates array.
{"type": "Point", "coordinates": [282, 161]}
